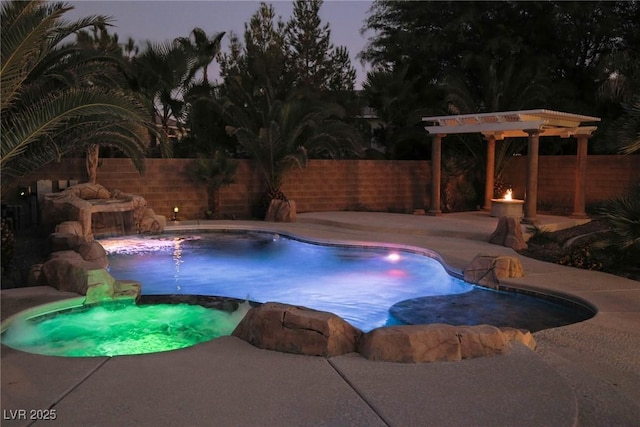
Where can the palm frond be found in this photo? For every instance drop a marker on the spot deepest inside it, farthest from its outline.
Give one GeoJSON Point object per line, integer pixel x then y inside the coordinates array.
{"type": "Point", "coordinates": [52, 113]}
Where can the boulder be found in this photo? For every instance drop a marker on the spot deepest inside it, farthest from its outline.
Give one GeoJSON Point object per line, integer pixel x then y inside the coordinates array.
{"type": "Point", "coordinates": [93, 252]}
{"type": "Point", "coordinates": [298, 330]}
{"type": "Point", "coordinates": [89, 191]}
{"type": "Point", "coordinates": [281, 211]}
{"type": "Point", "coordinates": [151, 223]}
{"type": "Point", "coordinates": [114, 213]}
{"type": "Point", "coordinates": [67, 271]}
{"type": "Point", "coordinates": [64, 242]}
{"type": "Point", "coordinates": [520, 335]}
{"type": "Point", "coordinates": [508, 233]}
{"type": "Point", "coordinates": [69, 227]}
{"type": "Point", "coordinates": [431, 343]}
{"type": "Point", "coordinates": [487, 270]}
{"type": "Point", "coordinates": [101, 286]}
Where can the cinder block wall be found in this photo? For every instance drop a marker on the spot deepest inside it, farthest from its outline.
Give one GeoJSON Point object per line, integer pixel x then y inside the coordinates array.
{"type": "Point", "coordinates": [325, 185]}
{"type": "Point", "coordinates": [337, 185]}
{"type": "Point", "coordinates": [607, 177]}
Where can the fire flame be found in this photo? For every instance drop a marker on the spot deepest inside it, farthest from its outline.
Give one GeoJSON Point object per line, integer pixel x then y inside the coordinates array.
{"type": "Point", "coordinates": [508, 195]}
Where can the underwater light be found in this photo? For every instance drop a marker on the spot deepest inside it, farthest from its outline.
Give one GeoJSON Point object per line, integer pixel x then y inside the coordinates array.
{"type": "Point", "coordinates": [393, 257]}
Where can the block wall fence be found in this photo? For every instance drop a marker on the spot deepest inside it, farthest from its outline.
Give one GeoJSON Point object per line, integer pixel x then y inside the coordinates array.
{"type": "Point", "coordinates": [325, 185]}
{"type": "Point", "coordinates": [337, 185]}
{"type": "Point", "coordinates": [607, 176]}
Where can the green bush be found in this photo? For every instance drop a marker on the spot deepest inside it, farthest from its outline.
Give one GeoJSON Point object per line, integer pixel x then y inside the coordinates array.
{"type": "Point", "coordinates": [622, 214]}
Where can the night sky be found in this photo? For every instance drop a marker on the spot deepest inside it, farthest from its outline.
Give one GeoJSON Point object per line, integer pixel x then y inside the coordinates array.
{"type": "Point", "coordinates": [165, 20]}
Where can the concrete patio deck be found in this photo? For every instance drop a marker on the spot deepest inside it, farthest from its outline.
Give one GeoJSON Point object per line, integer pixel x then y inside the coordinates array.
{"type": "Point", "coordinates": [585, 374]}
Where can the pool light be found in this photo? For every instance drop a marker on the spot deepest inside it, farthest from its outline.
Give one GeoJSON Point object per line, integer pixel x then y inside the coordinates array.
{"type": "Point", "coordinates": [393, 257]}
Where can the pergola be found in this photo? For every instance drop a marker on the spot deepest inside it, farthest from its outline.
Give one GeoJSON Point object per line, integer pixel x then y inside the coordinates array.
{"type": "Point", "coordinates": [531, 124]}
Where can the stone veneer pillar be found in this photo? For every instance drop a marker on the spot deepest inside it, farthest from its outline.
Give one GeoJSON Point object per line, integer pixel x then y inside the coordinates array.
{"type": "Point", "coordinates": [436, 166]}
{"type": "Point", "coordinates": [490, 171]}
{"type": "Point", "coordinates": [531, 196]}
{"type": "Point", "coordinates": [580, 183]}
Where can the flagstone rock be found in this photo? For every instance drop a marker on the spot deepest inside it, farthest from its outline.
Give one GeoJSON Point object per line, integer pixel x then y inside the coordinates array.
{"type": "Point", "coordinates": [508, 233]}
{"type": "Point", "coordinates": [281, 211]}
{"type": "Point", "coordinates": [93, 251]}
{"type": "Point", "coordinates": [432, 343]}
{"type": "Point", "coordinates": [487, 270]}
{"type": "Point", "coordinates": [520, 335]}
{"type": "Point", "coordinates": [151, 223]}
{"type": "Point", "coordinates": [68, 270]}
{"type": "Point", "coordinates": [64, 242]}
{"type": "Point", "coordinates": [298, 330]}
{"type": "Point", "coordinates": [69, 227]}
{"type": "Point", "coordinates": [101, 286]}
{"type": "Point", "coordinates": [99, 211]}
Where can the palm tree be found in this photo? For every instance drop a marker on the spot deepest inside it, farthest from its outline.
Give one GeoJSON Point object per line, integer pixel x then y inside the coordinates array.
{"type": "Point", "coordinates": [284, 134]}
{"type": "Point", "coordinates": [215, 172]}
{"type": "Point", "coordinates": [203, 49]}
{"type": "Point", "coordinates": [56, 96]}
{"type": "Point", "coordinates": [396, 102]}
{"type": "Point", "coordinates": [488, 85]}
{"type": "Point", "coordinates": [160, 74]}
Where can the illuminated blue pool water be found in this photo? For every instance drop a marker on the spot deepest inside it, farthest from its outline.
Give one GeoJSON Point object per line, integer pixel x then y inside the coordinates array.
{"type": "Point", "coordinates": [357, 284]}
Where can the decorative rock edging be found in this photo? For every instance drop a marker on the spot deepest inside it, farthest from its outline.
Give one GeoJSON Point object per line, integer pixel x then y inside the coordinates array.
{"type": "Point", "coordinates": [432, 343]}
{"type": "Point", "coordinates": [487, 270]}
{"type": "Point", "coordinates": [300, 330]}
{"type": "Point", "coordinates": [297, 330]}
{"type": "Point", "coordinates": [508, 233]}
{"type": "Point", "coordinates": [78, 265]}
{"type": "Point", "coordinates": [281, 211]}
{"type": "Point", "coordinates": [79, 202]}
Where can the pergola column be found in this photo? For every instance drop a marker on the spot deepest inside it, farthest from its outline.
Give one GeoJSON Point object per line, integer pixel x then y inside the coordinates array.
{"type": "Point", "coordinates": [490, 171]}
{"type": "Point", "coordinates": [580, 182]}
{"type": "Point", "coordinates": [531, 197]}
{"type": "Point", "coordinates": [436, 166]}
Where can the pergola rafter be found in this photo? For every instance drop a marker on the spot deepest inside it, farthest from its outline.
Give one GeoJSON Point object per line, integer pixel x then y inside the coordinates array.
{"type": "Point", "coordinates": [531, 124]}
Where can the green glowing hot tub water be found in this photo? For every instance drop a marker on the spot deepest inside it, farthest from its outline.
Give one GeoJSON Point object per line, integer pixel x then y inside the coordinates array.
{"type": "Point", "coordinates": [120, 328]}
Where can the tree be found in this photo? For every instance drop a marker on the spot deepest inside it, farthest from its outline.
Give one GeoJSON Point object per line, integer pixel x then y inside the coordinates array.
{"type": "Point", "coordinates": [626, 130]}
{"type": "Point", "coordinates": [160, 74]}
{"type": "Point", "coordinates": [203, 49]}
{"type": "Point", "coordinates": [312, 60]}
{"type": "Point", "coordinates": [216, 172]}
{"type": "Point", "coordinates": [265, 53]}
{"type": "Point", "coordinates": [392, 96]}
{"type": "Point", "coordinates": [288, 133]}
{"type": "Point", "coordinates": [567, 43]}
{"type": "Point", "coordinates": [308, 45]}
{"type": "Point", "coordinates": [343, 75]}
{"type": "Point", "coordinates": [281, 56]}
{"type": "Point", "coordinates": [56, 96]}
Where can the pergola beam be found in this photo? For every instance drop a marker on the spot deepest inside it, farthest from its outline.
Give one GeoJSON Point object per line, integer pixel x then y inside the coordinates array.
{"type": "Point", "coordinates": [531, 124]}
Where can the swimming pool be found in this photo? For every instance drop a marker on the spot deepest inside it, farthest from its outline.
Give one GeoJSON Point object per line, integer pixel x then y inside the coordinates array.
{"type": "Point", "coordinates": [369, 286]}
{"type": "Point", "coordinates": [358, 284]}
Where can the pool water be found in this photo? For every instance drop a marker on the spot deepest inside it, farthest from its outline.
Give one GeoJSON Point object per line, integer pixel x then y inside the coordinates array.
{"type": "Point", "coordinates": [358, 284]}
{"type": "Point", "coordinates": [120, 328]}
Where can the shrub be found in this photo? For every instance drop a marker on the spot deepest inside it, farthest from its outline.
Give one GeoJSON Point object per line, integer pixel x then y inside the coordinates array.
{"type": "Point", "coordinates": [622, 214]}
